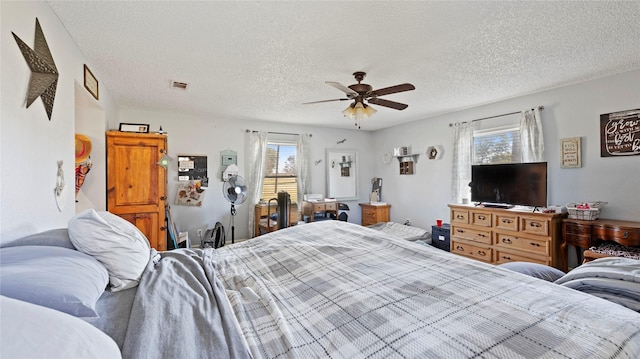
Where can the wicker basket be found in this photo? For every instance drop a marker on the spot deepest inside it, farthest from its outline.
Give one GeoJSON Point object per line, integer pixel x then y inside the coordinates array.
{"type": "Point", "coordinates": [590, 214]}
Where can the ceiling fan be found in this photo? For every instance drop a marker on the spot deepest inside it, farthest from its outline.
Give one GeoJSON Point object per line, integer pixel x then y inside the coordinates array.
{"type": "Point", "coordinates": [360, 93]}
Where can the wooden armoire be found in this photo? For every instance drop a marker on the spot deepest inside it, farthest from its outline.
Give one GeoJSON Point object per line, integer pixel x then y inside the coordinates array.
{"type": "Point", "coordinates": [137, 184]}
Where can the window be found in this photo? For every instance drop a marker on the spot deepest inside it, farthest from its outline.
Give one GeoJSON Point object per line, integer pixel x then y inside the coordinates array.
{"type": "Point", "coordinates": [280, 173]}
{"type": "Point", "coordinates": [497, 144]}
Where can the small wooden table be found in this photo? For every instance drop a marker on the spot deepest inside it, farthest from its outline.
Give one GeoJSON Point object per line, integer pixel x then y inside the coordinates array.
{"type": "Point", "coordinates": [310, 208]}
{"type": "Point", "coordinates": [585, 234]}
{"type": "Point", "coordinates": [262, 211]}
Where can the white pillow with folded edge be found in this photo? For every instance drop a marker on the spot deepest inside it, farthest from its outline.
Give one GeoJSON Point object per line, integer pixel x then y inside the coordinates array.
{"type": "Point", "coordinates": [32, 331]}
{"type": "Point", "coordinates": [113, 241]}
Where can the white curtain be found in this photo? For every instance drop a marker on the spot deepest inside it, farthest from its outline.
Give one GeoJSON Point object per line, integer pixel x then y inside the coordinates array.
{"type": "Point", "coordinates": [531, 140]}
{"type": "Point", "coordinates": [303, 166]}
{"type": "Point", "coordinates": [257, 154]}
{"type": "Point", "coordinates": [461, 173]}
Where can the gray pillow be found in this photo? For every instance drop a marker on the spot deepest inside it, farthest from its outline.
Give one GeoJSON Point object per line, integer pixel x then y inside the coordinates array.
{"type": "Point", "coordinates": [54, 237]}
{"type": "Point", "coordinates": [536, 270]}
{"type": "Point", "coordinates": [59, 278]}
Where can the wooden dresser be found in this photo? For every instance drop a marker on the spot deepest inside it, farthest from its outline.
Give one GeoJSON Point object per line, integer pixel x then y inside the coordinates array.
{"type": "Point", "coordinates": [495, 235]}
{"type": "Point", "coordinates": [372, 214]}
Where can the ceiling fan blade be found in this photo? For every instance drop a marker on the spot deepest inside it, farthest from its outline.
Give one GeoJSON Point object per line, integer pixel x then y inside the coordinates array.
{"type": "Point", "coordinates": [350, 93]}
{"type": "Point", "coordinates": [337, 99]}
{"type": "Point", "coordinates": [387, 103]}
{"type": "Point", "coordinates": [391, 89]}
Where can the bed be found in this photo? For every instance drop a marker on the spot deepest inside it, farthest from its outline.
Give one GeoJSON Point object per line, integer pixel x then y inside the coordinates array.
{"type": "Point", "coordinates": [333, 289]}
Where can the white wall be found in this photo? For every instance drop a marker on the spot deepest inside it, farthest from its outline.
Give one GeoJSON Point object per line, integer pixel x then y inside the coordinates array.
{"type": "Point", "coordinates": [31, 144]}
{"type": "Point", "coordinates": [572, 111]}
{"type": "Point", "coordinates": [193, 135]}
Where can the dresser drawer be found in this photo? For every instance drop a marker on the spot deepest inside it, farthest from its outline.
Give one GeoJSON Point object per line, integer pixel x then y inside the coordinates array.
{"type": "Point", "coordinates": [459, 216]}
{"type": "Point", "coordinates": [478, 252]}
{"type": "Point", "coordinates": [536, 246]}
{"type": "Point", "coordinates": [330, 206]}
{"type": "Point", "coordinates": [577, 229]}
{"type": "Point", "coordinates": [622, 235]}
{"type": "Point", "coordinates": [534, 226]}
{"type": "Point", "coordinates": [369, 216]}
{"type": "Point", "coordinates": [479, 218]}
{"type": "Point", "coordinates": [505, 221]}
{"type": "Point", "coordinates": [475, 235]}
{"type": "Point", "coordinates": [505, 257]}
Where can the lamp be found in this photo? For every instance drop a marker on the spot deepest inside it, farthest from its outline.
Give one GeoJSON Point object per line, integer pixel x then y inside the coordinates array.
{"type": "Point", "coordinates": [358, 111]}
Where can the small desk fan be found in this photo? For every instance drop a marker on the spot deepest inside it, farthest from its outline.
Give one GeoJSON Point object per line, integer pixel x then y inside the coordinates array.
{"type": "Point", "coordinates": [235, 191]}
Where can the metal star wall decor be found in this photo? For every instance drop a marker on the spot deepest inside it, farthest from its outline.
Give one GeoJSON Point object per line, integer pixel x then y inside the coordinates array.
{"type": "Point", "coordinates": [44, 74]}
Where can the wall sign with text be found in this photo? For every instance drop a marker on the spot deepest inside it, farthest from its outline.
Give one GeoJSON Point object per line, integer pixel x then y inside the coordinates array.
{"type": "Point", "coordinates": [620, 133]}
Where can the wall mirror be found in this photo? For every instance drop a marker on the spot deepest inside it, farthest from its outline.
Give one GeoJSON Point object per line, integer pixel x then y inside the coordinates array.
{"type": "Point", "coordinates": [342, 174]}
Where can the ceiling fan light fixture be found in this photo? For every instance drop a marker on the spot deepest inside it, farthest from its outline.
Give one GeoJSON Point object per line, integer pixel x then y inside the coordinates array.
{"type": "Point", "coordinates": [349, 112]}
{"type": "Point", "coordinates": [369, 111]}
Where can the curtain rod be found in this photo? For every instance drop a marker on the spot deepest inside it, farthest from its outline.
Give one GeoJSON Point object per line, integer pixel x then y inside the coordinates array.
{"type": "Point", "coordinates": [280, 133]}
{"type": "Point", "coordinates": [540, 108]}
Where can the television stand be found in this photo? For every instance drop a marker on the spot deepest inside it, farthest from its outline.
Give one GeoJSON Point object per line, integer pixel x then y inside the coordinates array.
{"type": "Point", "coordinates": [496, 205]}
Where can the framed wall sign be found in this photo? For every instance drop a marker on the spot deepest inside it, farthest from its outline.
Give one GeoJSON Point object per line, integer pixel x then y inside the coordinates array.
{"type": "Point", "coordinates": [134, 127]}
{"type": "Point", "coordinates": [620, 133]}
{"type": "Point", "coordinates": [90, 82]}
{"type": "Point", "coordinates": [570, 154]}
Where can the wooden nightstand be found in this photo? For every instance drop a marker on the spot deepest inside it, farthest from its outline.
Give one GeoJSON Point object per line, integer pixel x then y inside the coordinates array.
{"type": "Point", "coordinates": [372, 214]}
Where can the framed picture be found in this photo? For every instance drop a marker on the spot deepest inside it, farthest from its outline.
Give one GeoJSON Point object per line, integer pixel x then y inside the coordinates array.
{"type": "Point", "coordinates": [90, 82]}
{"type": "Point", "coordinates": [134, 127]}
{"type": "Point", "coordinates": [570, 155]}
{"type": "Point", "coordinates": [620, 133]}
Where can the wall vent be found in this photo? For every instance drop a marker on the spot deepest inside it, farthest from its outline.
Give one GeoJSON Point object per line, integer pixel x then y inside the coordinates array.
{"type": "Point", "coordinates": [179, 85]}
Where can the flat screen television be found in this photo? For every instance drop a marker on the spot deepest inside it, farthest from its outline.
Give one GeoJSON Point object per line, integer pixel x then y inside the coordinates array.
{"type": "Point", "coordinates": [505, 185]}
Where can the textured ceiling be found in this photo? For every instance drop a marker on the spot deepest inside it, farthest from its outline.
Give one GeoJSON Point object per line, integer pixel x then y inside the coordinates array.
{"type": "Point", "coordinates": [262, 60]}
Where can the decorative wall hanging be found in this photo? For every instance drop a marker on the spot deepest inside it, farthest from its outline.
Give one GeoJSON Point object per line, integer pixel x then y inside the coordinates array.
{"type": "Point", "coordinates": [83, 160]}
{"type": "Point", "coordinates": [435, 152]}
{"type": "Point", "coordinates": [164, 161]}
{"type": "Point", "coordinates": [620, 133]}
{"type": "Point", "coordinates": [90, 82]}
{"type": "Point", "coordinates": [190, 193]}
{"type": "Point", "coordinates": [44, 74]}
{"type": "Point", "coordinates": [570, 153]}
{"type": "Point", "coordinates": [58, 191]}
{"type": "Point", "coordinates": [192, 168]}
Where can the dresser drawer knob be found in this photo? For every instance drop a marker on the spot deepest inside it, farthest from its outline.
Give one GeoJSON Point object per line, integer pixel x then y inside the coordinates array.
{"type": "Point", "coordinates": [482, 218]}
{"type": "Point", "coordinates": [482, 253]}
{"type": "Point", "coordinates": [481, 235]}
{"type": "Point", "coordinates": [506, 220]}
{"type": "Point", "coordinates": [458, 230]}
{"type": "Point", "coordinates": [536, 224]}
{"type": "Point", "coordinates": [460, 248]}
{"type": "Point", "coordinates": [535, 244]}
{"type": "Point", "coordinates": [625, 235]}
{"type": "Point", "coordinates": [507, 258]}
{"type": "Point", "coordinates": [460, 216]}
{"type": "Point", "coordinates": [506, 240]}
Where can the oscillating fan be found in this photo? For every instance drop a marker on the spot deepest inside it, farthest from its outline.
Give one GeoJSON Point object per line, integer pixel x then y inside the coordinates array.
{"type": "Point", "coordinates": [235, 191]}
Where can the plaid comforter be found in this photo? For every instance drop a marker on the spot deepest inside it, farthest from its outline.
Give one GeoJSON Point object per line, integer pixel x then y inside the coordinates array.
{"type": "Point", "coordinates": [337, 290]}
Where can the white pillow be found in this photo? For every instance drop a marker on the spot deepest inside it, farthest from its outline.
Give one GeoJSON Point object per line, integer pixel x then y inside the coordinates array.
{"type": "Point", "coordinates": [32, 331]}
{"type": "Point", "coordinates": [113, 241]}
